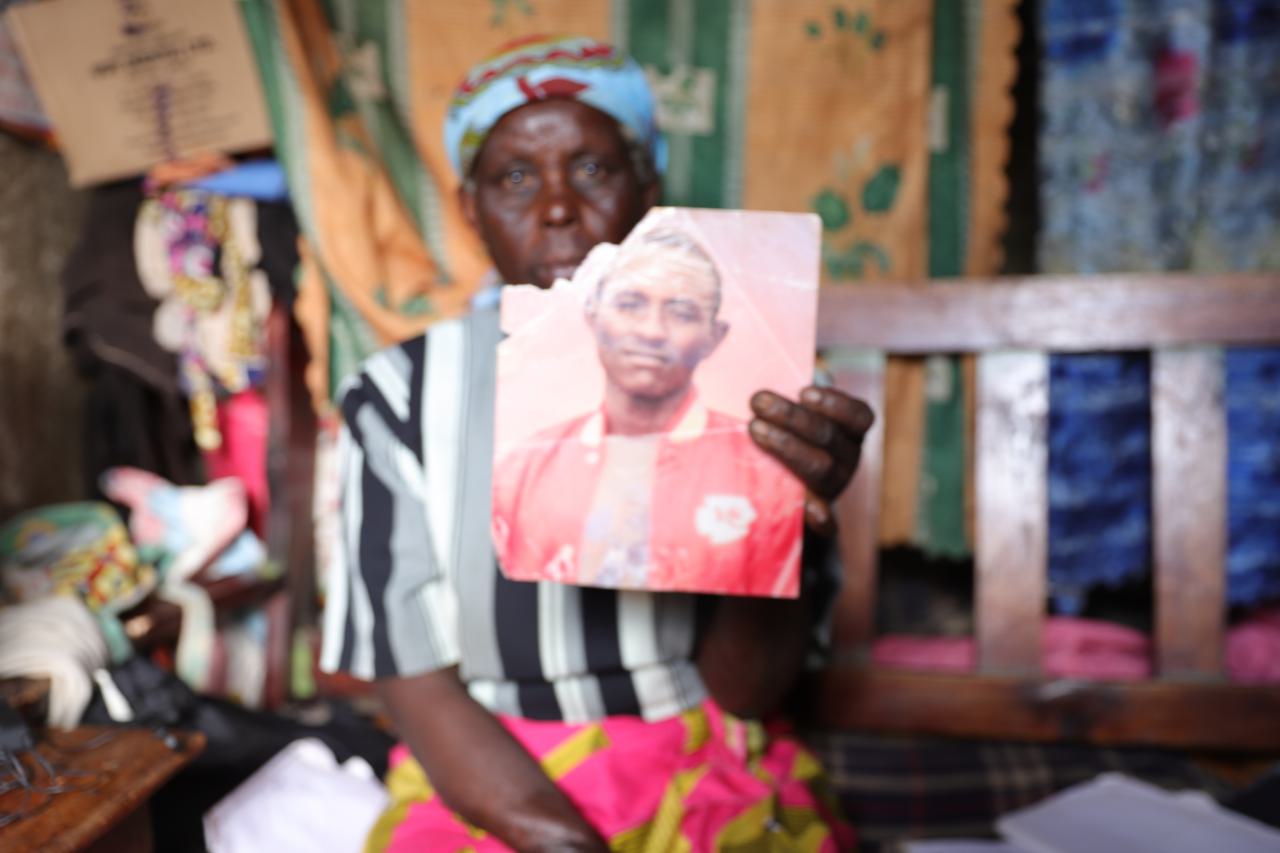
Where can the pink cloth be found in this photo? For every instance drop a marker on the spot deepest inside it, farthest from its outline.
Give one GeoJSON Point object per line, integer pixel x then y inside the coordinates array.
{"type": "Point", "coordinates": [715, 777]}
{"type": "Point", "coordinates": [1253, 648]}
{"type": "Point", "coordinates": [1089, 649]}
{"type": "Point", "coordinates": [243, 422]}
{"type": "Point", "coordinates": [926, 654]}
{"type": "Point", "coordinates": [1086, 648]}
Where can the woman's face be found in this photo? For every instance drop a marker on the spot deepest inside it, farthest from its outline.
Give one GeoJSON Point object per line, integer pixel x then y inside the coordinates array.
{"type": "Point", "coordinates": [553, 179]}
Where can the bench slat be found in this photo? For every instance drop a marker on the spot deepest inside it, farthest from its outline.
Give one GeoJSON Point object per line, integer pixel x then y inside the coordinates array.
{"type": "Point", "coordinates": [1012, 510]}
{"type": "Point", "coordinates": [858, 513]}
{"type": "Point", "coordinates": [1189, 499]}
{"type": "Point", "coordinates": [1190, 715]}
{"type": "Point", "coordinates": [1055, 313]}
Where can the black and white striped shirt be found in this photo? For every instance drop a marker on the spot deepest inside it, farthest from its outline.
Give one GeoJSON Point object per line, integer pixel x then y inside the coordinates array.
{"type": "Point", "coordinates": [415, 586]}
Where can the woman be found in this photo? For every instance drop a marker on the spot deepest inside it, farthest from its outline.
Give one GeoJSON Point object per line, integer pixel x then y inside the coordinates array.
{"type": "Point", "coordinates": [551, 717]}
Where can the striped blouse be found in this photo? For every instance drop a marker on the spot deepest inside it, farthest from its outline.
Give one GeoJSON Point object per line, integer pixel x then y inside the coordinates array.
{"type": "Point", "coordinates": [415, 586]}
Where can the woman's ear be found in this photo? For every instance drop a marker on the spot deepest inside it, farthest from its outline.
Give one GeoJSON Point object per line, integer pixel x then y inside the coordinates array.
{"type": "Point", "coordinates": [467, 201]}
{"type": "Point", "coordinates": [651, 194]}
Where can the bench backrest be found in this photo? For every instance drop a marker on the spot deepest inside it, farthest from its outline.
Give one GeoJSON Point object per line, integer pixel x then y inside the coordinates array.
{"type": "Point", "coordinates": [1011, 325]}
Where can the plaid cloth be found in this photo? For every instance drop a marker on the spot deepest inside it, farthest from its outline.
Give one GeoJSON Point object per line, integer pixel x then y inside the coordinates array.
{"type": "Point", "coordinates": [896, 789]}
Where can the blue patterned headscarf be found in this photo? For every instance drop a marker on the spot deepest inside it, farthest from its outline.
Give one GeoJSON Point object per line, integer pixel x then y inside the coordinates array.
{"type": "Point", "coordinates": [538, 68]}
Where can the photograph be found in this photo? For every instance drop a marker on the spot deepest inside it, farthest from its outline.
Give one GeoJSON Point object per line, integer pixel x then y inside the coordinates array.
{"type": "Point", "coordinates": [622, 457]}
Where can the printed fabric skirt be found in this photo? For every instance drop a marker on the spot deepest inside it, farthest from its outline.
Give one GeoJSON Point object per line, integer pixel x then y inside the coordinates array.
{"type": "Point", "coordinates": [703, 781]}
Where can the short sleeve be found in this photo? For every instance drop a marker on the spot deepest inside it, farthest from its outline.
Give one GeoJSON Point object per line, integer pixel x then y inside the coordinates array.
{"type": "Point", "coordinates": [391, 609]}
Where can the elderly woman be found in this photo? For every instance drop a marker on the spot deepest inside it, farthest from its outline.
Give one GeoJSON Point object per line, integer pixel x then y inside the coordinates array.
{"type": "Point", "coordinates": [547, 716]}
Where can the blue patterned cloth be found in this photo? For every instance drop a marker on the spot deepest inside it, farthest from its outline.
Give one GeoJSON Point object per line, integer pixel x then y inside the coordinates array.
{"type": "Point", "coordinates": [597, 74]}
{"type": "Point", "coordinates": [1160, 150]}
{"type": "Point", "coordinates": [1253, 475]}
{"type": "Point", "coordinates": [1099, 474]}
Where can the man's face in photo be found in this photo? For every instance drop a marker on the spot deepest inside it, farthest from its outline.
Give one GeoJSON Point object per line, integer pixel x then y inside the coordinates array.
{"type": "Point", "coordinates": [655, 318]}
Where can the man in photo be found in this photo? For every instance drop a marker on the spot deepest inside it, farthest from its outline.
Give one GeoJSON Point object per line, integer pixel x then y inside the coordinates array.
{"type": "Point", "coordinates": [652, 490]}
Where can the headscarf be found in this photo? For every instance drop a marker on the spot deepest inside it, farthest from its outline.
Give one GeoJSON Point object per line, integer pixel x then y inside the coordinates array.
{"type": "Point", "coordinates": [537, 68]}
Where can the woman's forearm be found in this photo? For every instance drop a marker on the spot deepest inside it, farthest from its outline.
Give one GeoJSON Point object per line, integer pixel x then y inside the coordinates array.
{"type": "Point", "coordinates": [753, 651]}
{"type": "Point", "coordinates": [481, 771]}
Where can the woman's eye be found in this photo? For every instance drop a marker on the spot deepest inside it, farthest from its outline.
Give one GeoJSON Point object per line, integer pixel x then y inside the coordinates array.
{"type": "Point", "coordinates": [515, 176]}
{"type": "Point", "coordinates": [590, 170]}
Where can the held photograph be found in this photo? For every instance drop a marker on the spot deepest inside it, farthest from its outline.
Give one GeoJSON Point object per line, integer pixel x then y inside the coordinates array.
{"type": "Point", "coordinates": [622, 458]}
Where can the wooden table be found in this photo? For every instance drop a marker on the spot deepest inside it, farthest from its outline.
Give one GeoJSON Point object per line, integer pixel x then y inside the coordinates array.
{"type": "Point", "coordinates": [129, 765]}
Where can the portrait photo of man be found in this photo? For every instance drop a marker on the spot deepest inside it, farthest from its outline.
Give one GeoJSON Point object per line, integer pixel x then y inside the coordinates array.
{"type": "Point", "coordinates": [653, 488]}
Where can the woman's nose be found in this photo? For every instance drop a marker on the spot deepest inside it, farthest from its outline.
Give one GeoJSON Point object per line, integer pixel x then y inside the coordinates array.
{"type": "Point", "coordinates": [558, 201]}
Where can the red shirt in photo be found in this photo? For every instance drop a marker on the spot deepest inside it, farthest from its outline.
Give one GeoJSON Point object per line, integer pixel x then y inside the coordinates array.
{"type": "Point", "coordinates": [715, 514]}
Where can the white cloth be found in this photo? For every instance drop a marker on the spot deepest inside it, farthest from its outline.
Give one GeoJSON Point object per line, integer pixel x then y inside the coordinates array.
{"type": "Point", "coordinates": [56, 638]}
{"type": "Point", "coordinates": [300, 800]}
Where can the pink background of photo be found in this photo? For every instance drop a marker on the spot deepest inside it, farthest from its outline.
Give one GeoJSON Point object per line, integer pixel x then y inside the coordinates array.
{"type": "Point", "coordinates": [548, 370]}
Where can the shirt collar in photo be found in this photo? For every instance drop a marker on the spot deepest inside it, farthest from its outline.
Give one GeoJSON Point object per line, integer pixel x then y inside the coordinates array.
{"type": "Point", "coordinates": [687, 424]}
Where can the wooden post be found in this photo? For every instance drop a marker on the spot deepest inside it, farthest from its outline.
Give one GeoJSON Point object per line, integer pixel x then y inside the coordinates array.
{"type": "Point", "coordinates": [1189, 508]}
{"type": "Point", "coordinates": [1012, 517]}
{"type": "Point", "coordinates": [857, 513]}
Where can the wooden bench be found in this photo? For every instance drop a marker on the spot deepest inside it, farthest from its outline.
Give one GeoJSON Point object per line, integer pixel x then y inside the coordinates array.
{"type": "Point", "coordinates": [1011, 325]}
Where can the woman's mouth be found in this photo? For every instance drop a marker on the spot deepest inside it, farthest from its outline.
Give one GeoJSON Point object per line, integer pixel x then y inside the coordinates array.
{"type": "Point", "coordinates": [554, 271]}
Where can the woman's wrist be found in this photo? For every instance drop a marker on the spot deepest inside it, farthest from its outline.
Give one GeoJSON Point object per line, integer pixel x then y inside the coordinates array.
{"type": "Point", "coordinates": [581, 845]}
{"type": "Point", "coordinates": [551, 823]}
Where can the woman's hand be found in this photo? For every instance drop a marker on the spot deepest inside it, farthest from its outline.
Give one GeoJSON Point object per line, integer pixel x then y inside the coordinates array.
{"type": "Point", "coordinates": [819, 439]}
{"type": "Point", "coordinates": [480, 770]}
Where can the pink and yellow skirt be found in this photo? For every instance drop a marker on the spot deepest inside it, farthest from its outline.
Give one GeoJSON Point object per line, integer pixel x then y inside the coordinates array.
{"type": "Point", "coordinates": [703, 781]}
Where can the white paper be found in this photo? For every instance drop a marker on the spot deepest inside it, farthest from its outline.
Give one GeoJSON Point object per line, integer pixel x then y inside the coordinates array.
{"type": "Point", "coordinates": [1118, 814]}
{"type": "Point", "coordinates": [960, 845]}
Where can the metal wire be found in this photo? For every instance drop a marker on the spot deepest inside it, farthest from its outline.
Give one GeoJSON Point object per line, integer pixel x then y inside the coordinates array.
{"type": "Point", "coordinates": [17, 779]}
{"type": "Point", "coordinates": [41, 780]}
{"type": "Point", "coordinates": [78, 748]}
